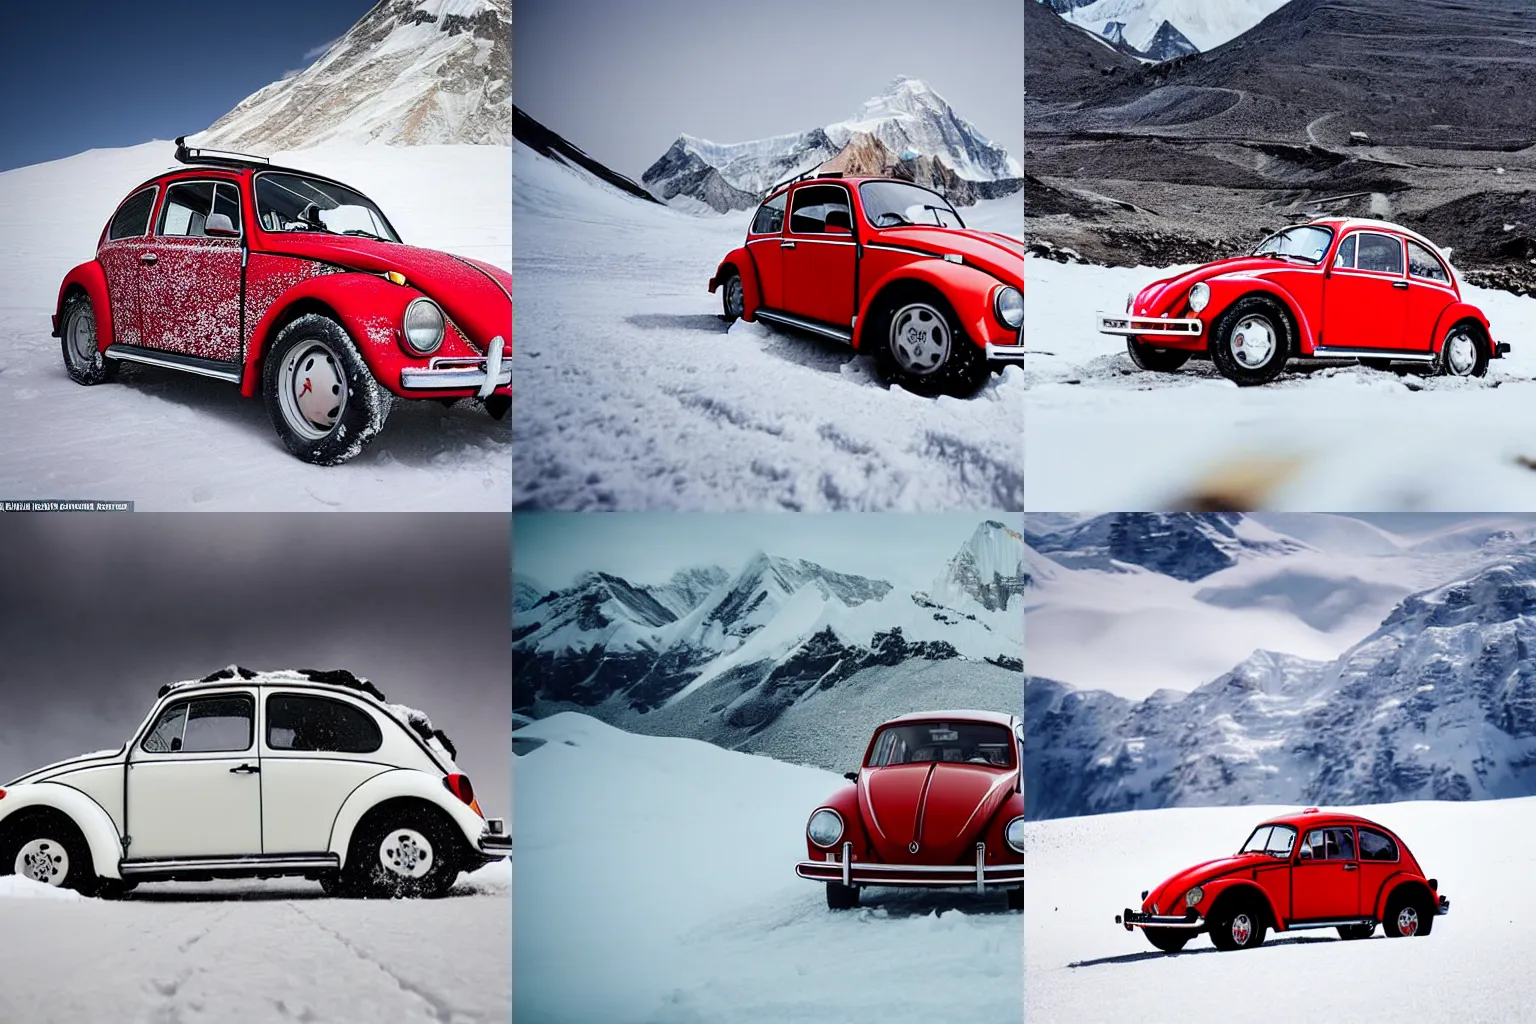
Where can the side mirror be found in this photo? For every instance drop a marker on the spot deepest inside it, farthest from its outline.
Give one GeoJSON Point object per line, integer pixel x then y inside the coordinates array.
{"type": "Point", "coordinates": [851, 776]}
{"type": "Point", "coordinates": [219, 225]}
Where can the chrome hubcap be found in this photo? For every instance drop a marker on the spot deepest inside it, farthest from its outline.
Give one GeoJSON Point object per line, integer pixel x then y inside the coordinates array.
{"type": "Point", "coordinates": [1253, 343]}
{"type": "Point", "coordinates": [312, 390]}
{"type": "Point", "coordinates": [734, 303]}
{"type": "Point", "coordinates": [43, 860]}
{"type": "Point", "coordinates": [82, 337]}
{"type": "Point", "coordinates": [1242, 929]}
{"type": "Point", "coordinates": [1460, 353]}
{"type": "Point", "coordinates": [920, 338]}
{"type": "Point", "coordinates": [1408, 921]}
{"type": "Point", "coordinates": [406, 852]}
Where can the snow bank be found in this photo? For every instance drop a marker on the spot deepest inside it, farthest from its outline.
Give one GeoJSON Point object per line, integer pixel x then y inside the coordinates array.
{"type": "Point", "coordinates": [14, 887]}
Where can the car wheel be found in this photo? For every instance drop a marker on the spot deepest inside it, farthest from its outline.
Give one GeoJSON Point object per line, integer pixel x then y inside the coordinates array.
{"type": "Point", "coordinates": [1464, 353]}
{"type": "Point", "coordinates": [1252, 340]}
{"type": "Point", "coordinates": [1016, 898]}
{"type": "Point", "coordinates": [733, 301]}
{"type": "Point", "coordinates": [321, 396]}
{"type": "Point", "coordinates": [1158, 360]}
{"type": "Point", "coordinates": [1357, 931]}
{"type": "Point", "coordinates": [77, 335]}
{"type": "Point", "coordinates": [919, 345]}
{"type": "Point", "coordinates": [1238, 925]}
{"type": "Point", "coordinates": [842, 897]}
{"type": "Point", "coordinates": [47, 847]}
{"type": "Point", "coordinates": [1169, 940]}
{"type": "Point", "coordinates": [1408, 914]}
{"type": "Point", "coordinates": [401, 851]}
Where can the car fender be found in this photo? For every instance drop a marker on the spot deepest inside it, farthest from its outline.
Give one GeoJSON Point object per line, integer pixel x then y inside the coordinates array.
{"type": "Point", "coordinates": [1228, 288]}
{"type": "Point", "coordinates": [846, 803]}
{"type": "Point", "coordinates": [393, 785]}
{"type": "Point", "coordinates": [740, 260]}
{"type": "Point", "coordinates": [1218, 888]}
{"type": "Point", "coordinates": [89, 817]}
{"type": "Point", "coordinates": [1453, 314]}
{"type": "Point", "coordinates": [93, 279]}
{"type": "Point", "coordinates": [997, 842]}
{"type": "Point", "coordinates": [967, 290]}
{"type": "Point", "coordinates": [1393, 883]}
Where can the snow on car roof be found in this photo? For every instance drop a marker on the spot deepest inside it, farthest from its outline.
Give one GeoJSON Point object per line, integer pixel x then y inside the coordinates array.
{"type": "Point", "coordinates": [995, 717]}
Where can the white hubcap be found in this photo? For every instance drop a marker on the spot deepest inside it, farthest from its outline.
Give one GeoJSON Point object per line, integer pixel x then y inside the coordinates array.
{"type": "Point", "coordinates": [1408, 921]}
{"type": "Point", "coordinates": [43, 860]}
{"type": "Point", "coordinates": [1460, 354]}
{"type": "Point", "coordinates": [406, 852]}
{"type": "Point", "coordinates": [312, 390]}
{"type": "Point", "coordinates": [1242, 929]}
{"type": "Point", "coordinates": [920, 338]}
{"type": "Point", "coordinates": [1253, 342]}
{"type": "Point", "coordinates": [82, 337]}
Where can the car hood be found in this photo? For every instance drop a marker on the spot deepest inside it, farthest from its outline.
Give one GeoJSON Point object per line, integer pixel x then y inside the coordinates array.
{"type": "Point", "coordinates": [1156, 295]}
{"type": "Point", "coordinates": [1172, 890]}
{"type": "Point", "coordinates": [476, 296]}
{"type": "Point", "coordinates": [50, 771]}
{"type": "Point", "coordinates": [998, 255]}
{"type": "Point", "coordinates": [942, 807]}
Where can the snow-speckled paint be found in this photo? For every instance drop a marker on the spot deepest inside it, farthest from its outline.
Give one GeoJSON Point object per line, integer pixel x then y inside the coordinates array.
{"type": "Point", "coordinates": [268, 278]}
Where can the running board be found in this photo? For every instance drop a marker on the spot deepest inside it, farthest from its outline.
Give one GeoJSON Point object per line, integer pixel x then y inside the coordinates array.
{"type": "Point", "coordinates": [215, 368]}
{"type": "Point", "coordinates": [1342, 922]}
{"type": "Point", "coordinates": [238, 865]}
{"type": "Point", "coordinates": [1395, 355]}
{"type": "Point", "coordinates": [814, 326]}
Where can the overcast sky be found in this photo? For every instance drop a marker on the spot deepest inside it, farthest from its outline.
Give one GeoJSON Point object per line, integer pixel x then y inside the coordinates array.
{"type": "Point", "coordinates": [98, 611]}
{"type": "Point", "coordinates": [907, 549]}
{"type": "Point", "coordinates": [622, 79]}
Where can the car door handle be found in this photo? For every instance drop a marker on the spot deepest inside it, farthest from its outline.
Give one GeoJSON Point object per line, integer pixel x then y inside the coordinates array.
{"type": "Point", "coordinates": [245, 769]}
{"type": "Point", "coordinates": [148, 257]}
{"type": "Point", "coordinates": [1399, 284]}
{"type": "Point", "coordinates": [786, 245]}
{"type": "Point", "coordinates": [1351, 867]}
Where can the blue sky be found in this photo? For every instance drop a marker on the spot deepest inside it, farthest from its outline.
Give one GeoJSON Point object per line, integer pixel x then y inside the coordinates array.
{"type": "Point", "coordinates": [93, 74]}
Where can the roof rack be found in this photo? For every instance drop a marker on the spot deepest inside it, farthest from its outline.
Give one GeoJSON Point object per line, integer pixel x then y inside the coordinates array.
{"type": "Point", "coordinates": [216, 157]}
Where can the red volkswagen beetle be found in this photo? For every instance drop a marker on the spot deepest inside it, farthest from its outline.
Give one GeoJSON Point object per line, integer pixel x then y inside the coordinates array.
{"type": "Point", "coordinates": [889, 268]}
{"type": "Point", "coordinates": [291, 284]}
{"type": "Point", "coordinates": [939, 803]}
{"type": "Point", "coordinates": [1316, 869]}
{"type": "Point", "coordinates": [1335, 288]}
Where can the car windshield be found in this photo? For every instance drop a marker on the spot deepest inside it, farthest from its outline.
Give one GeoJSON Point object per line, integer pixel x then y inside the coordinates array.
{"type": "Point", "coordinates": [1274, 840]}
{"type": "Point", "coordinates": [889, 204]}
{"type": "Point", "coordinates": [948, 742]}
{"type": "Point", "coordinates": [1308, 242]}
{"type": "Point", "coordinates": [293, 202]}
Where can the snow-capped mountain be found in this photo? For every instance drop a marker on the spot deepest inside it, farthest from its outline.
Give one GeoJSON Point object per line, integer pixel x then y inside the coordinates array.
{"type": "Point", "coordinates": [990, 570]}
{"type": "Point", "coordinates": [1163, 29]}
{"type": "Point", "coordinates": [908, 131]}
{"type": "Point", "coordinates": [1439, 702]}
{"type": "Point", "coordinates": [410, 72]}
{"type": "Point", "coordinates": [1187, 546]}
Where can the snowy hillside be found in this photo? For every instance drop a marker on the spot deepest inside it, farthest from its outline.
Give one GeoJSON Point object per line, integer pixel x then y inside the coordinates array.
{"type": "Point", "coordinates": [1080, 965]}
{"type": "Point", "coordinates": [1202, 24]}
{"type": "Point", "coordinates": [908, 131]}
{"type": "Point", "coordinates": [411, 72]}
{"type": "Point", "coordinates": [714, 935]}
{"type": "Point", "coordinates": [180, 441]}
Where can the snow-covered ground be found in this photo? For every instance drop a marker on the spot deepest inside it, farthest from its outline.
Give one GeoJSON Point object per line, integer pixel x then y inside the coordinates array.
{"type": "Point", "coordinates": [1474, 966]}
{"type": "Point", "coordinates": [231, 952]}
{"type": "Point", "coordinates": [656, 883]}
{"type": "Point", "coordinates": [169, 440]}
{"type": "Point", "coordinates": [1103, 435]}
{"type": "Point", "coordinates": [632, 394]}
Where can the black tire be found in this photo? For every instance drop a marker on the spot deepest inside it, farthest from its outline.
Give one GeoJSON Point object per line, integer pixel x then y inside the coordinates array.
{"type": "Point", "coordinates": [49, 834]}
{"type": "Point", "coordinates": [1377, 364]}
{"type": "Point", "coordinates": [414, 834]}
{"type": "Point", "coordinates": [732, 297]}
{"type": "Point", "coordinates": [83, 360]}
{"type": "Point", "coordinates": [1016, 898]}
{"type": "Point", "coordinates": [1169, 940]}
{"type": "Point", "coordinates": [1229, 330]}
{"type": "Point", "coordinates": [1157, 360]}
{"type": "Point", "coordinates": [842, 897]}
{"type": "Point", "coordinates": [919, 345]}
{"type": "Point", "coordinates": [1409, 914]}
{"type": "Point", "coordinates": [332, 884]}
{"type": "Point", "coordinates": [1238, 923]}
{"type": "Point", "coordinates": [1356, 931]}
{"type": "Point", "coordinates": [318, 345]}
{"type": "Point", "coordinates": [1452, 366]}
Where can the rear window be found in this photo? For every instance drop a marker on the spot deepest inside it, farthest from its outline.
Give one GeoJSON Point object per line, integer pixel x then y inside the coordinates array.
{"type": "Point", "coordinates": [132, 218]}
{"type": "Point", "coordinates": [945, 742]}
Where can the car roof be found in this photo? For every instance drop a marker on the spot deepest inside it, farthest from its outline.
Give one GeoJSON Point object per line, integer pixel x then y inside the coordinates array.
{"type": "Point", "coordinates": [1347, 223]}
{"type": "Point", "coordinates": [1313, 816]}
{"type": "Point", "coordinates": [234, 172]}
{"type": "Point", "coordinates": [307, 678]}
{"type": "Point", "coordinates": [991, 717]}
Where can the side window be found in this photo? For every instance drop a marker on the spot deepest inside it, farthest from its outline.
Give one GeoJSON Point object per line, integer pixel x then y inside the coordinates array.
{"type": "Point", "coordinates": [1376, 846]}
{"type": "Point", "coordinates": [1346, 256]}
{"type": "Point", "coordinates": [1422, 263]}
{"type": "Point", "coordinates": [203, 725]}
{"type": "Point", "coordinates": [187, 205]}
{"type": "Point", "coordinates": [226, 200]}
{"type": "Point", "coordinates": [1329, 844]}
{"type": "Point", "coordinates": [820, 209]}
{"type": "Point", "coordinates": [296, 722]}
{"type": "Point", "coordinates": [165, 737]}
{"type": "Point", "coordinates": [770, 216]}
{"type": "Point", "coordinates": [132, 218]}
{"type": "Point", "coordinates": [1381, 253]}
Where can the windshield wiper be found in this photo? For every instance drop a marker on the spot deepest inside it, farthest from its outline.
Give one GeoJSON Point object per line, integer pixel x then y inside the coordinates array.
{"type": "Point", "coordinates": [364, 234]}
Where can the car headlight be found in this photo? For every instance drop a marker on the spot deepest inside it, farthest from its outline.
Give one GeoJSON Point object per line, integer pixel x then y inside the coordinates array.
{"type": "Point", "coordinates": [825, 828]}
{"type": "Point", "coordinates": [1194, 896]}
{"type": "Point", "coordinates": [1199, 296]}
{"type": "Point", "coordinates": [422, 326]}
{"type": "Point", "coordinates": [1013, 835]}
{"type": "Point", "coordinates": [1008, 307]}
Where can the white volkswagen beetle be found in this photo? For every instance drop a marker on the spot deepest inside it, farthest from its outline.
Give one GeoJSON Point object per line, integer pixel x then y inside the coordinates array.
{"type": "Point", "coordinates": [247, 774]}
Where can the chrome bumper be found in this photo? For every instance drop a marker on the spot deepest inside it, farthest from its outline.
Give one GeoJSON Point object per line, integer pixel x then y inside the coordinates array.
{"type": "Point", "coordinates": [1136, 919]}
{"type": "Point", "coordinates": [1150, 326]}
{"type": "Point", "coordinates": [1013, 353]}
{"type": "Point", "coordinates": [946, 876]}
{"type": "Point", "coordinates": [494, 841]}
{"type": "Point", "coordinates": [484, 373]}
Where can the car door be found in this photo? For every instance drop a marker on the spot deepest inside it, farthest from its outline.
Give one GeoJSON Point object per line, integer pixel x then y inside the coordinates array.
{"type": "Point", "coordinates": [189, 281]}
{"type": "Point", "coordinates": [1365, 296]}
{"type": "Point", "coordinates": [820, 255]}
{"type": "Point", "coordinates": [1325, 876]}
{"type": "Point", "coordinates": [315, 751]}
{"type": "Point", "coordinates": [764, 237]}
{"type": "Point", "coordinates": [1379, 861]}
{"type": "Point", "coordinates": [119, 255]}
{"type": "Point", "coordinates": [194, 787]}
{"type": "Point", "coordinates": [1430, 292]}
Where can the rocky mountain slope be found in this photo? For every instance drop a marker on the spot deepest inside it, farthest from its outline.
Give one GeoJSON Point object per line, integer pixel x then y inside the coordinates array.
{"type": "Point", "coordinates": [1187, 546]}
{"type": "Point", "coordinates": [1172, 28]}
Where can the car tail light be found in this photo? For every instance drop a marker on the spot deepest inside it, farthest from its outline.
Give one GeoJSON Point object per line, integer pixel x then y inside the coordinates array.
{"type": "Point", "coordinates": [2, 794]}
{"type": "Point", "coordinates": [460, 787]}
